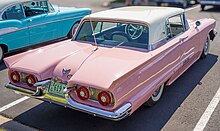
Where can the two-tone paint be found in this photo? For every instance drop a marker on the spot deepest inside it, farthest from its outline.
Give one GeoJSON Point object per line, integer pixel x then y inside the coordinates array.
{"type": "Point", "coordinates": [131, 75]}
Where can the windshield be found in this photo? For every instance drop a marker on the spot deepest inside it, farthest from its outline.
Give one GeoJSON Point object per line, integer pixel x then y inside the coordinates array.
{"type": "Point", "coordinates": [114, 34]}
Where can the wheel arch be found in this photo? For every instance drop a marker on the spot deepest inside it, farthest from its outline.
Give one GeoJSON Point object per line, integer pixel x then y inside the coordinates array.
{"type": "Point", "coordinates": [77, 21]}
{"type": "Point", "coordinates": [4, 47]}
{"type": "Point", "coordinates": [212, 34]}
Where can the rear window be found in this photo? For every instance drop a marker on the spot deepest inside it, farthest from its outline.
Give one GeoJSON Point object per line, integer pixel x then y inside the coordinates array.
{"type": "Point", "coordinates": [115, 34]}
{"type": "Point", "coordinates": [14, 12]}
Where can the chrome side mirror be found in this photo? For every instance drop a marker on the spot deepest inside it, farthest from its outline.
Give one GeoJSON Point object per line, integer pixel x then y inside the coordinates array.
{"type": "Point", "coordinates": [198, 23]}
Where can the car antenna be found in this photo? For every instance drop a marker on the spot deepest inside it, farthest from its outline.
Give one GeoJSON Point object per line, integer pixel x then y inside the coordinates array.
{"type": "Point", "coordinates": [90, 20]}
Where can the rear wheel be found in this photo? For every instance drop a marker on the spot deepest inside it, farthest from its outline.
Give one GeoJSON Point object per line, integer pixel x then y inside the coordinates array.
{"type": "Point", "coordinates": [205, 51]}
{"type": "Point", "coordinates": [1, 54]}
{"type": "Point", "coordinates": [155, 96]}
{"type": "Point", "coordinates": [73, 30]}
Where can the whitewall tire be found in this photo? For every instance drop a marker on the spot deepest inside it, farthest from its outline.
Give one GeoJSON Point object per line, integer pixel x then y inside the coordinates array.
{"type": "Point", "coordinates": [155, 97]}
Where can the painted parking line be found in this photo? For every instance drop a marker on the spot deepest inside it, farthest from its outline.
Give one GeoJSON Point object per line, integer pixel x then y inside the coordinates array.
{"type": "Point", "coordinates": [13, 103]}
{"type": "Point", "coordinates": [208, 112]}
{"type": "Point", "coordinates": [192, 8]}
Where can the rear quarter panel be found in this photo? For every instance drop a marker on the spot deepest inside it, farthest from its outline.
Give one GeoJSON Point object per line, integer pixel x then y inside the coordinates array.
{"type": "Point", "coordinates": [138, 86]}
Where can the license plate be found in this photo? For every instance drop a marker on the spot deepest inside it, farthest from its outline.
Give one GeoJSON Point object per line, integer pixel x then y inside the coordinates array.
{"type": "Point", "coordinates": [57, 88]}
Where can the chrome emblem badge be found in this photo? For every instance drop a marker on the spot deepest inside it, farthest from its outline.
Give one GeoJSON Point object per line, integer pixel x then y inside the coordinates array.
{"type": "Point", "coordinates": [66, 71]}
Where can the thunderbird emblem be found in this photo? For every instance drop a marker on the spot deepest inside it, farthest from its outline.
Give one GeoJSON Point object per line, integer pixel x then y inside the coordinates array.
{"type": "Point", "coordinates": [66, 71]}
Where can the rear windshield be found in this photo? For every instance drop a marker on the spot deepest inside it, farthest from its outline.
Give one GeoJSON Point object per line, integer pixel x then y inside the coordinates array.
{"type": "Point", "coordinates": [115, 34]}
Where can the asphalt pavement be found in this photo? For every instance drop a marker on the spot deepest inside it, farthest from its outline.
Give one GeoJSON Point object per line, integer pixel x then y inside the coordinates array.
{"type": "Point", "coordinates": [180, 108]}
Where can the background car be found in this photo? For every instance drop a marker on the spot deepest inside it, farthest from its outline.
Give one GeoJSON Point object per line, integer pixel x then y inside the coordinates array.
{"type": "Point", "coordinates": [204, 3]}
{"type": "Point", "coordinates": [114, 63]}
{"type": "Point", "coordinates": [25, 22]}
{"type": "Point", "coordinates": [183, 3]}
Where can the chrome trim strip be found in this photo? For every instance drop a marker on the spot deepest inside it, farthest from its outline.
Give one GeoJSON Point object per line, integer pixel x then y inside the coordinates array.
{"type": "Point", "coordinates": [8, 30]}
{"type": "Point", "coordinates": [5, 31]}
{"type": "Point", "coordinates": [117, 115]}
{"type": "Point", "coordinates": [42, 83]}
{"type": "Point", "coordinates": [54, 21]}
{"type": "Point", "coordinates": [12, 29]}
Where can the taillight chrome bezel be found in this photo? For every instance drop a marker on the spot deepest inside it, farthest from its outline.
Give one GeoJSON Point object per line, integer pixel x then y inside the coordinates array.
{"type": "Point", "coordinates": [83, 93]}
{"type": "Point", "coordinates": [30, 80]}
{"type": "Point", "coordinates": [22, 78]}
{"type": "Point", "coordinates": [15, 76]}
{"type": "Point", "coordinates": [104, 98]}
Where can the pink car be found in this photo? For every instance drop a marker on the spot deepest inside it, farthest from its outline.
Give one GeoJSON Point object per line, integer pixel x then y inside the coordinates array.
{"type": "Point", "coordinates": [118, 60]}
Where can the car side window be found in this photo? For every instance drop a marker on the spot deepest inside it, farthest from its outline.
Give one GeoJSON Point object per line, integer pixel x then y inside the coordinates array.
{"type": "Point", "coordinates": [175, 26]}
{"type": "Point", "coordinates": [35, 8]}
{"type": "Point", "coordinates": [14, 12]}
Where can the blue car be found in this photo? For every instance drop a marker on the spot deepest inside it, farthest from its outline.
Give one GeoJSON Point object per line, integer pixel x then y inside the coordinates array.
{"type": "Point", "coordinates": [203, 3]}
{"type": "Point", "coordinates": [27, 22]}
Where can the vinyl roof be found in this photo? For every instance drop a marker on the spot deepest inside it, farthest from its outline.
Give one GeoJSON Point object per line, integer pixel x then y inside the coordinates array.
{"type": "Point", "coordinates": [154, 17]}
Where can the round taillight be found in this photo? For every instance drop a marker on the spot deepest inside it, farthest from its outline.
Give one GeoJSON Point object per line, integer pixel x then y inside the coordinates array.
{"type": "Point", "coordinates": [15, 77]}
{"type": "Point", "coordinates": [83, 93]}
{"type": "Point", "coordinates": [30, 80]}
{"type": "Point", "coordinates": [104, 98]}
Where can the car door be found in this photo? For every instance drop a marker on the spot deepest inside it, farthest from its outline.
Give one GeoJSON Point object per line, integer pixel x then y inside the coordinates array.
{"type": "Point", "coordinates": [180, 31]}
{"type": "Point", "coordinates": [13, 28]}
{"type": "Point", "coordinates": [42, 21]}
{"type": "Point", "coordinates": [189, 43]}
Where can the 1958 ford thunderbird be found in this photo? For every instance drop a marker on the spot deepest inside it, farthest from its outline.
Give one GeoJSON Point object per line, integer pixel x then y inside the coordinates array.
{"type": "Point", "coordinates": [27, 22]}
{"type": "Point", "coordinates": [118, 60]}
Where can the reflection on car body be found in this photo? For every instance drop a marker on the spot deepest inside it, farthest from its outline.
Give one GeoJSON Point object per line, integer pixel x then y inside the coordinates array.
{"type": "Point", "coordinates": [114, 63]}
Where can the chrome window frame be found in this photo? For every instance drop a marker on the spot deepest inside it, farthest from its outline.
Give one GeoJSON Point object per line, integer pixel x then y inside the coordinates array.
{"type": "Point", "coordinates": [167, 22]}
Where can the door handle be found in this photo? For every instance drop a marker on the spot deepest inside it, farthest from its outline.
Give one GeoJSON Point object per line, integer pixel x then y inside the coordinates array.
{"type": "Point", "coordinates": [183, 38]}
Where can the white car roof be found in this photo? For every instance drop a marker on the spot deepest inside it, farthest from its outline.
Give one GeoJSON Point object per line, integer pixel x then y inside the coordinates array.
{"type": "Point", "coordinates": [153, 16]}
{"type": "Point", "coordinates": [148, 14]}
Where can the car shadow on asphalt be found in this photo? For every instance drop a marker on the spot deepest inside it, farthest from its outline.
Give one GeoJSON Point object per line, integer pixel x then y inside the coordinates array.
{"type": "Point", "coordinates": [47, 116]}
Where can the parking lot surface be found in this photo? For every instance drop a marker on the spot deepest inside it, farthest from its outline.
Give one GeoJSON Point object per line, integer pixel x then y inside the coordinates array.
{"type": "Point", "coordinates": [180, 108]}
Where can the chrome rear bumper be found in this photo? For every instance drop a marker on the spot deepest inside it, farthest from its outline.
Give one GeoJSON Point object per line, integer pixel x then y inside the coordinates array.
{"type": "Point", "coordinates": [42, 94]}
{"type": "Point", "coordinates": [117, 115]}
